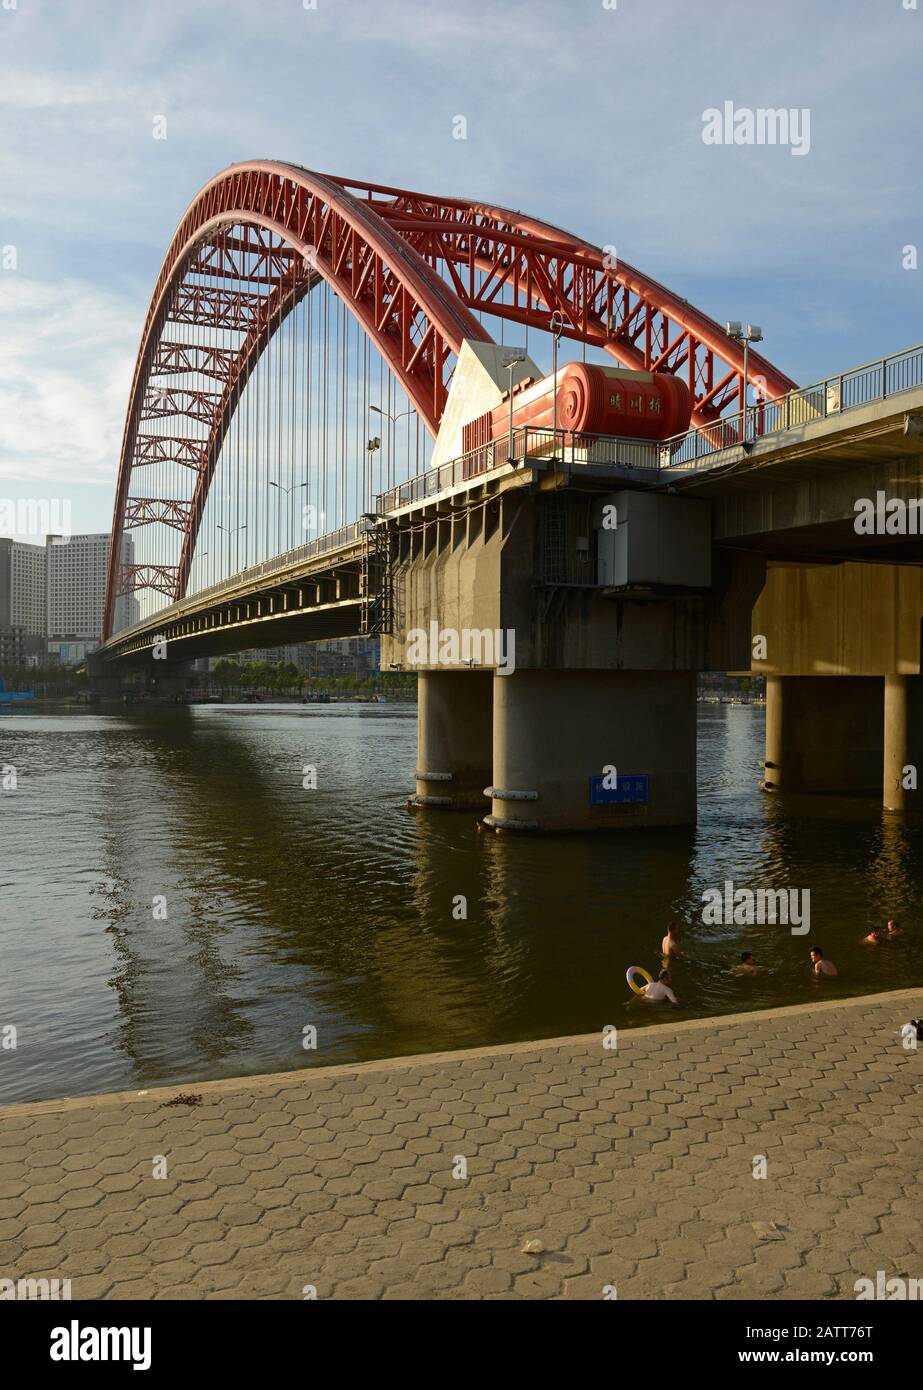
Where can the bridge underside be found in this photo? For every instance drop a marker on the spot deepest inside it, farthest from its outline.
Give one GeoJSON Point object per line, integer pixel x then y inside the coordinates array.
{"type": "Point", "coordinates": [309, 601]}
{"type": "Point", "coordinates": [263, 620]}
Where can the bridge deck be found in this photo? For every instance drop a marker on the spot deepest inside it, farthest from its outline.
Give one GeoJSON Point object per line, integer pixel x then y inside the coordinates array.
{"type": "Point", "coordinates": [212, 619]}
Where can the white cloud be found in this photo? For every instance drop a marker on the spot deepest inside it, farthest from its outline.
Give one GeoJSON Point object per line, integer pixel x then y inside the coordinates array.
{"type": "Point", "coordinates": [67, 353]}
{"type": "Point", "coordinates": [42, 91]}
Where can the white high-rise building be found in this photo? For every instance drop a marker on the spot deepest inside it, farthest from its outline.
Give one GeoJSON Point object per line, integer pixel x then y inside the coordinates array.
{"type": "Point", "coordinates": [22, 587]}
{"type": "Point", "coordinates": [76, 593]}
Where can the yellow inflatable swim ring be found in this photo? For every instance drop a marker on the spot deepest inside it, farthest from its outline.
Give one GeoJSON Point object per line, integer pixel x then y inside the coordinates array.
{"type": "Point", "coordinates": [630, 974]}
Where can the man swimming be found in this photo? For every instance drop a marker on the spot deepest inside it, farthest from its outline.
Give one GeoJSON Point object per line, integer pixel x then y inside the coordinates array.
{"type": "Point", "coordinates": [894, 928]}
{"type": "Point", "coordinates": [668, 947]}
{"type": "Point", "coordinates": [875, 935]}
{"type": "Point", "coordinates": [659, 991]}
{"type": "Point", "coordinates": [821, 965]}
{"type": "Point", "coordinates": [746, 966]}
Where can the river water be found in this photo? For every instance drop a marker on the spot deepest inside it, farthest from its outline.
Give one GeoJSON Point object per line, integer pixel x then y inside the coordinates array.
{"type": "Point", "coordinates": [176, 906]}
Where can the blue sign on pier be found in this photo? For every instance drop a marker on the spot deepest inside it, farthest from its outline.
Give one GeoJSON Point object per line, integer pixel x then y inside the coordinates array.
{"type": "Point", "coordinates": [631, 789]}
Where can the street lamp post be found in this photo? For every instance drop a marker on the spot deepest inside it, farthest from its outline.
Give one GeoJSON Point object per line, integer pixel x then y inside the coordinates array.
{"type": "Point", "coordinates": [230, 531]}
{"type": "Point", "coordinates": [558, 322]}
{"type": "Point", "coordinates": [387, 414]}
{"type": "Point", "coordinates": [394, 419]}
{"type": "Point", "coordinates": [510, 360]}
{"type": "Point", "coordinates": [752, 334]}
{"type": "Point", "coordinates": [287, 492]}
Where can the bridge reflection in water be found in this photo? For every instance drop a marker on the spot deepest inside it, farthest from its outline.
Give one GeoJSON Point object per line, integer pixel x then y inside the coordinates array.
{"type": "Point", "coordinates": [334, 907]}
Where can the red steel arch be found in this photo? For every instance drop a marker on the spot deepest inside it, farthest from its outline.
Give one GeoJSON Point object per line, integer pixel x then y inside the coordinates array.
{"type": "Point", "coordinates": [413, 269]}
{"type": "Point", "coordinates": [408, 311]}
{"type": "Point", "coordinates": [485, 250]}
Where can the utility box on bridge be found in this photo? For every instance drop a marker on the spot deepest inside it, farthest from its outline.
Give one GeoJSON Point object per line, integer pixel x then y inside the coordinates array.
{"type": "Point", "coordinates": [650, 540]}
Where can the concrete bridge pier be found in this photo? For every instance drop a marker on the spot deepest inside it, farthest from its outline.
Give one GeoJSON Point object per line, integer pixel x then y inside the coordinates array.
{"type": "Point", "coordinates": [453, 739]}
{"type": "Point", "coordinates": [167, 680]}
{"type": "Point", "coordinates": [823, 734]}
{"type": "Point", "coordinates": [555, 731]}
{"type": "Point", "coordinates": [105, 678]}
{"type": "Point", "coordinates": [162, 680]}
{"type": "Point", "coordinates": [903, 742]}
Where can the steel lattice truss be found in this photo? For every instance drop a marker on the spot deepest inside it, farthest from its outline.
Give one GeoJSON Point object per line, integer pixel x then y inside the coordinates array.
{"type": "Point", "coordinates": [485, 251]}
{"type": "Point", "coordinates": [414, 270]}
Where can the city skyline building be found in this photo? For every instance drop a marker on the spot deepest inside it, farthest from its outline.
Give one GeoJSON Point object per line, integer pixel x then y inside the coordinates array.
{"type": "Point", "coordinates": [23, 586]}
{"type": "Point", "coordinates": [75, 593]}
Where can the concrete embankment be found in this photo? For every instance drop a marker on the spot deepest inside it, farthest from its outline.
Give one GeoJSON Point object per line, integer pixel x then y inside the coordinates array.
{"type": "Point", "coordinates": [771, 1154]}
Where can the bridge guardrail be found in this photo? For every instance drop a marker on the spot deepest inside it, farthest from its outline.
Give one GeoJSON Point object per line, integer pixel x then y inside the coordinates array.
{"type": "Point", "coordinates": [528, 442]}
{"type": "Point", "coordinates": [874, 381]}
{"type": "Point", "coordinates": [331, 540]}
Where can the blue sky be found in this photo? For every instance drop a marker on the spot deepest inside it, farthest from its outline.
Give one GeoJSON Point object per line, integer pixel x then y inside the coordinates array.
{"type": "Point", "coordinates": [582, 113]}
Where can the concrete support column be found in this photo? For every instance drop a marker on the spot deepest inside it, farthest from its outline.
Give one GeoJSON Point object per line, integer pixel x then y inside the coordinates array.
{"type": "Point", "coordinates": [903, 742]}
{"type": "Point", "coordinates": [167, 680]}
{"type": "Point", "coordinates": [555, 731]}
{"type": "Point", "coordinates": [105, 677]}
{"type": "Point", "coordinates": [453, 738]}
{"type": "Point", "coordinates": [782, 765]}
{"type": "Point", "coordinates": [823, 734]}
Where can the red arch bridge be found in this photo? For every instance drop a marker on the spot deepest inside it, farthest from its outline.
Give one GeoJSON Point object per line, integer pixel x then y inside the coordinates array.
{"type": "Point", "coordinates": [342, 421]}
{"type": "Point", "coordinates": [324, 361]}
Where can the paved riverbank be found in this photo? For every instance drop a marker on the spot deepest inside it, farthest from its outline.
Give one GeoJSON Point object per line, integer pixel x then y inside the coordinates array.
{"type": "Point", "coordinates": [587, 1168]}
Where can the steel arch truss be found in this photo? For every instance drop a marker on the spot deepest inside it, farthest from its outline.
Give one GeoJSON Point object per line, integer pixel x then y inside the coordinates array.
{"type": "Point", "coordinates": [501, 262]}
{"type": "Point", "coordinates": [413, 270]}
{"type": "Point", "coordinates": [250, 246]}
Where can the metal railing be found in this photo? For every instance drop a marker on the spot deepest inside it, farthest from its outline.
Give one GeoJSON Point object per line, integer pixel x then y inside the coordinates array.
{"type": "Point", "coordinates": [332, 540]}
{"type": "Point", "coordinates": [875, 381]}
{"type": "Point", "coordinates": [526, 443]}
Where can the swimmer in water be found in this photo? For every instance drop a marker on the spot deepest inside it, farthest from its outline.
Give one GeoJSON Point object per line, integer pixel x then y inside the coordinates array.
{"type": "Point", "coordinates": [893, 928]}
{"type": "Point", "coordinates": [746, 966]}
{"type": "Point", "coordinates": [659, 991]}
{"type": "Point", "coordinates": [668, 947]}
{"type": "Point", "coordinates": [820, 964]}
{"type": "Point", "coordinates": [875, 936]}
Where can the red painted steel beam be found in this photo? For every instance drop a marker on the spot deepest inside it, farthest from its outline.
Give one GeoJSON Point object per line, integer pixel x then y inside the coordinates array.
{"type": "Point", "coordinates": [162, 402]}
{"type": "Point", "coordinates": [170, 511]}
{"type": "Point", "coordinates": [162, 448]}
{"type": "Point", "coordinates": [170, 359]}
{"type": "Point", "coordinates": [130, 578]}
